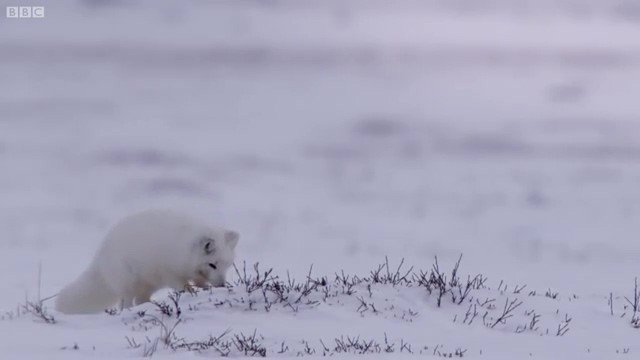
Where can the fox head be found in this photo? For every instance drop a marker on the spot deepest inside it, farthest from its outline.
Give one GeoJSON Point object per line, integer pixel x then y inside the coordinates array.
{"type": "Point", "coordinates": [215, 255]}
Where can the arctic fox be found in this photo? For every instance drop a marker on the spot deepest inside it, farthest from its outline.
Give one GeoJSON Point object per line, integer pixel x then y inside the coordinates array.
{"type": "Point", "coordinates": [146, 252]}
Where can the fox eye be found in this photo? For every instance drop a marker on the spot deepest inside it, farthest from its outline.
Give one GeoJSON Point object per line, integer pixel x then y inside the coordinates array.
{"type": "Point", "coordinates": [213, 266]}
{"type": "Point", "coordinates": [207, 248]}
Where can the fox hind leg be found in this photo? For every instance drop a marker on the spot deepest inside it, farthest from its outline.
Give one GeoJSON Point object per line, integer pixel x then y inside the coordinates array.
{"type": "Point", "coordinates": [126, 302]}
{"type": "Point", "coordinates": [143, 296]}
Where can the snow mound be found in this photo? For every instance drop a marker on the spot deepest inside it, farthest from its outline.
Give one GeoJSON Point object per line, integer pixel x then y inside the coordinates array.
{"type": "Point", "coordinates": [394, 309]}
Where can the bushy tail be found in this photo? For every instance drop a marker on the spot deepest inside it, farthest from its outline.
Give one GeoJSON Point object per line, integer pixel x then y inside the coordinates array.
{"type": "Point", "coordinates": [88, 294]}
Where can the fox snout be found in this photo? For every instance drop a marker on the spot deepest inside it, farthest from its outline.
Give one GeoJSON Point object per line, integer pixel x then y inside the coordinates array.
{"type": "Point", "coordinates": [217, 281]}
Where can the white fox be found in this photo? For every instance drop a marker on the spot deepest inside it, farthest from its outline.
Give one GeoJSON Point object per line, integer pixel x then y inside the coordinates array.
{"type": "Point", "coordinates": [146, 252]}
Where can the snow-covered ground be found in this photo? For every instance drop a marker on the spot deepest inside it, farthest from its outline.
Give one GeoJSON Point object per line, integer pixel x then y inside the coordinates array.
{"type": "Point", "coordinates": [331, 133]}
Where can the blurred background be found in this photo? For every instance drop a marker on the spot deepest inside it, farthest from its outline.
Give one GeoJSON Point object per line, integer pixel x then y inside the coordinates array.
{"type": "Point", "coordinates": [328, 132]}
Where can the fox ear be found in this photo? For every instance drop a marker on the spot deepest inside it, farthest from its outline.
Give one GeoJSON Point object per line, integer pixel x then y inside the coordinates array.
{"type": "Point", "coordinates": [231, 239]}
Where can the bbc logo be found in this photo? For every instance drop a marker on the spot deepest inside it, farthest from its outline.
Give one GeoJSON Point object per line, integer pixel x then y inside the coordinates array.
{"type": "Point", "coordinates": [36, 12]}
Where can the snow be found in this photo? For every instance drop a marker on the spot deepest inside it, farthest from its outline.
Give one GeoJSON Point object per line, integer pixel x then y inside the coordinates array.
{"type": "Point", "coordinates": [332, 133]}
